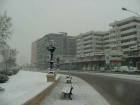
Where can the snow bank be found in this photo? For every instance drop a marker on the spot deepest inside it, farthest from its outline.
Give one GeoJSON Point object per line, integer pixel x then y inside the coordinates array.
{"type": "Point", "coordinates": [22, 87]}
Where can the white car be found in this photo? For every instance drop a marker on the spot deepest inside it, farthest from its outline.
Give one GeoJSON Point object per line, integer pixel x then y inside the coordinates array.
{"type": "Point", "coordinates": [128, 69]}
{"type": "Point", "coordinates": [115, 69]}
{"type": "Point", "coordinates": [133, 69]}
{"type": "Point", "coordinates": [123, 68]}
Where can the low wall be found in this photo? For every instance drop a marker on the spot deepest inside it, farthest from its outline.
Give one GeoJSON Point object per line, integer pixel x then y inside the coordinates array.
{"type": "Point", "coordinates": [36, 100]}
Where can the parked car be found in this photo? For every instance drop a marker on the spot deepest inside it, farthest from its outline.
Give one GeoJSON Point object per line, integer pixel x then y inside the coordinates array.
{"type": "Point", "coordinates": [115, 69]}
{"type": "Point", "coordinates": [128, 69]}
{"type": "Point", "coordinates": [124, 69]}
{"type": "Point", "coordinates": [133, 69]}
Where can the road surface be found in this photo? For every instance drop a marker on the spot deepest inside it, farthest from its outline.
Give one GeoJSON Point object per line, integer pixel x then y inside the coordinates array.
{"type": "Point", "coordinates": [117, 91]}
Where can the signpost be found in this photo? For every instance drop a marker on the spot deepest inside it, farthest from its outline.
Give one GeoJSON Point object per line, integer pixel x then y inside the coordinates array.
{"type": "Point", "coordinates": [107, 60]}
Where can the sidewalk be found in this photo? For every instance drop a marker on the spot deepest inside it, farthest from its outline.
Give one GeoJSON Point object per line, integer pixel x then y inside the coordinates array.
{"type": "Point", "coordinates": [23, 87]}
{"type": "Point", "coordinates": [83, 94]}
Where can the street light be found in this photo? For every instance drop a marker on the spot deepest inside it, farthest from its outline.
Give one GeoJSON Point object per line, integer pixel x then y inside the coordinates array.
{"type": "Point", "coordinates": [125, 9]}
{"type": "Point", "coordinates": [51, 48]}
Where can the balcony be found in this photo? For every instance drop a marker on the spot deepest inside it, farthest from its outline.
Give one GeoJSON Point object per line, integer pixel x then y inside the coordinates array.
{"type": "Point", "coordinates": [129, 31]}
{"type": "Point", "coordinates": [128, 25]}
{"type": "Point", "coordinates": [128, 37]}
{"type": "Point", "coordinates": [129, 43]}
{"type": "Point", "coordinates": [87, 37]}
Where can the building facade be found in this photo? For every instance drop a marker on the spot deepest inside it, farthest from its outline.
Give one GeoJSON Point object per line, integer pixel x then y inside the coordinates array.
{"type": "Point", "coordinates": [90, 44]}
{"type": "Point", "coordinates": [89, 51]}
{"type": "Point", "coordinates": [121, 43]}
{"type": "Point", "coordinates": [65, 49]}
{"type": "Point", "coordinates": [127, 34]}
{"type": "Point", "coordinates": [34, 53]}
{"type": "Point", "coordinates": [127, 38]}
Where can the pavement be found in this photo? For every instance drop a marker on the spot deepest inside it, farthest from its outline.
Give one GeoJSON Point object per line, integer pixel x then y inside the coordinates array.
{"type": "Point", "coordinates": [22, 87]}
{"type": "Point", "coordinates": [117, 89]}
{"type": "Point", "coordinates": [83, 94]}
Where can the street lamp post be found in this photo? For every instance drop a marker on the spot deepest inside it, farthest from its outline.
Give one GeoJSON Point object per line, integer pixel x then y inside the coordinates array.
{"type": "Point", "coordinates": [51, 74]}
{"type": "Point", "coordinates": [51, 48]}
{"type": "Point", "coordinates": [125, 9]}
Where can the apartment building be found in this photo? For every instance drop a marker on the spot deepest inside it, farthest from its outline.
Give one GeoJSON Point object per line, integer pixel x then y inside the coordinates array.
{"type": "Point", "coordinates": [71, 46]}
{"type": "Point", "coordinates": [65, 48]}
{"type": "Point", "coordinates": [126, 34]}
{"type": "Point", "coordinates": [34, 53]}
{"type": "Point", "coordinates": [106, 39]}
{"type": "Point", "coordinates": [95, 49]}
{"type": "Point", "coordinates": [90, 44]}
{"type": "Point", "coordinates": [121, 40]}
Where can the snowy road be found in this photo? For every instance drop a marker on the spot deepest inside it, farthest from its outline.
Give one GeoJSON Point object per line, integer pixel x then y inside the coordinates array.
{"type": "Point", "coordinates": [83, 94]}
{"type": "Point", "coordinates": [118, 89]}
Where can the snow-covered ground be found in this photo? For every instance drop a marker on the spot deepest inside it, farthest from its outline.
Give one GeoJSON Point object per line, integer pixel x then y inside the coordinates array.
{"type": "Point", "coordinates": [83, 94]}
{"type": "Point", "coordinates": [22, 87]}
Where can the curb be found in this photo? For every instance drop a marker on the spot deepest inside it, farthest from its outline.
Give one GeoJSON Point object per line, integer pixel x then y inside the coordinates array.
{"type": "Point", "coordinates": [36, 100]}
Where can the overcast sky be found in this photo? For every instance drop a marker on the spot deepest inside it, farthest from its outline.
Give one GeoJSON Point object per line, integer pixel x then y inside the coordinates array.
{"type": "Point", "coordinates": [34, 18]}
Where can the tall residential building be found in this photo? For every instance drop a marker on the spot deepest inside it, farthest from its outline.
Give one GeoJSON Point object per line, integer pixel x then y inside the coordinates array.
{"type": "Point", "coordinates": [106, 40]}
{"type": "Point", "coordinates": [34, 53]}
{"type": "Point", "coordinates": [122, 40]}
{"type": "Point", "coordinates": [71, 46]}
{"type": "Point", "coordinates": [126, 34]}
{"type": "Point", "coordinates": [90, 44]}
{"type": "Point", "coordinates": [65, 48]}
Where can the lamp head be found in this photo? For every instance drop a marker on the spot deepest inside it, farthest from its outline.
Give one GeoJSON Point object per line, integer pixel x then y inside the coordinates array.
{"type": "Point", "coordinates": [124, 9]}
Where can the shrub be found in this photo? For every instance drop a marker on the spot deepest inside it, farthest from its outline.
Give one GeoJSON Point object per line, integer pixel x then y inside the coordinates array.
{"type": "Point", "coordinates": [3, 78]}
{"type": "Point", "coordinates": [6, 72]}
{"type": "Point", "coordinates": [15, 71]}
{"type": "Point", "coordinates": [10, 72]}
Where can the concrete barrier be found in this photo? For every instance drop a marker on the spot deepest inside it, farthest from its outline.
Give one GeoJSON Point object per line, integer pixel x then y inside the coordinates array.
{"type": "Point", "coordinates": [36, 100]}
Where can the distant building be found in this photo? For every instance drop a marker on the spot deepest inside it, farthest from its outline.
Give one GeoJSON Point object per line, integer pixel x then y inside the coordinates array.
{"type": "Point", "coordinates": [34, 54]}
{"type": "Point", "coordinates": [126, 34]}
{"type": "Point", "coordinates": [65, 49]}
{"type": "Point", "coordinates": [106, 40]}
{"type": "Point", "coordinates": [126, 37]}
{"type": "Point", "coordinates": [122, 40]}
{"type": "Point", "coordinates": [90, 44]}
{"type": "Point", "coordinates": [7, 54]}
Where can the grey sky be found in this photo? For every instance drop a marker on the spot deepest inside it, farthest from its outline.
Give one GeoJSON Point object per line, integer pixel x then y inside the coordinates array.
{"type": "Point", "coordinates": [34, 18]}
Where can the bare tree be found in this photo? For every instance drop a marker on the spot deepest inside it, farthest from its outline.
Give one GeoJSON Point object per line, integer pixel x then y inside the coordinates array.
{"type": "Point", "coordinates": [11, 61]}
{"type": "Point", "coordinates": [9, 57]}
{"type": "Point", "coordinates": [5, 34]}
{"type": "Point", "coordinates": [5, 29]}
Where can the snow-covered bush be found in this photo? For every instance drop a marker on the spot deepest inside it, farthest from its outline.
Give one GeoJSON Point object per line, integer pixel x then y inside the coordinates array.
{"type": "Point", "coordinates": [6, 72]}
{"type": "Point", "coordinates": [3, 78]}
